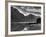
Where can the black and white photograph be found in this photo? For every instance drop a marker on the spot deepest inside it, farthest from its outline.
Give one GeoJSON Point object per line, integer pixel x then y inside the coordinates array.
{"type": "Point", "coordinates": [25, 18]}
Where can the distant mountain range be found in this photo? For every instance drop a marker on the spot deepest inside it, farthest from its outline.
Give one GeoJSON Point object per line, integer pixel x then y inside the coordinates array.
{"type": "Point", "coordinates": [16, 16]}
{"type": "Point", "coordinates": [36, 11]}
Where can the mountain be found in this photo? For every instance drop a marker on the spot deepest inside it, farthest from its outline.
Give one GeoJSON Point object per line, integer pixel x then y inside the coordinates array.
{"type": "Point", "coordinates": [16, 16]}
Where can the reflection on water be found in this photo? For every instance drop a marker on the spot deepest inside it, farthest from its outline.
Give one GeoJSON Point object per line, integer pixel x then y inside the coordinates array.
{"type": "Point", "coordinates": [25, 26]}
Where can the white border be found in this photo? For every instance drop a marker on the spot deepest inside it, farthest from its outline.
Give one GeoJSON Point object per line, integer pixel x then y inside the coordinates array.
{"type": "Point", "coordinates": [23, 32]}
